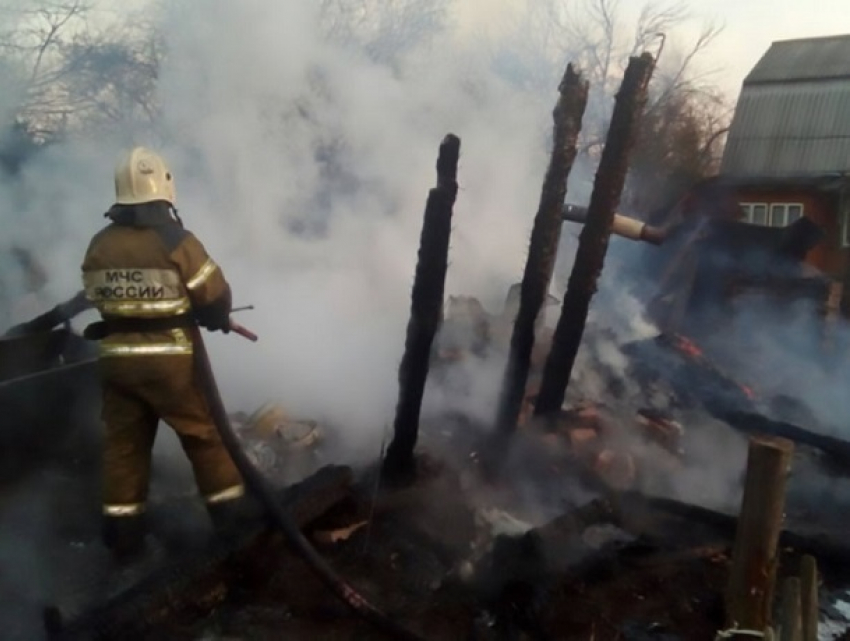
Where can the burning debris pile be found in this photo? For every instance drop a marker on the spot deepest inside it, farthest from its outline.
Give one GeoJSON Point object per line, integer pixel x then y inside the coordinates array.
{"type": "Point", "coordinates": [597, 502]}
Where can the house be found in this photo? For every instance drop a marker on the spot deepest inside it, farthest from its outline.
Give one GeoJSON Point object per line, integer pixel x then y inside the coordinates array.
{"type": "Point", "coordinates": [787, 153]}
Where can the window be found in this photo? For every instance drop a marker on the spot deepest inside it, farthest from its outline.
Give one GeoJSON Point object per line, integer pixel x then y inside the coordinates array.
{"type": "Point", "coordinates": [783, 214]}
{"type": "Point", "coordinates": [845, 219]}
{"type": "Point", "coordinates": [755, 213]}
{"type": "Point", "coordinates": [773, 214]}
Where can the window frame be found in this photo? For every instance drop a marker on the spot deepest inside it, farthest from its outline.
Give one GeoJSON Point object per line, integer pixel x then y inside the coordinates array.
{"type": "Point", "coordinates": [769, 211]}
{"type": "Point", "coordinates": [785, 208]}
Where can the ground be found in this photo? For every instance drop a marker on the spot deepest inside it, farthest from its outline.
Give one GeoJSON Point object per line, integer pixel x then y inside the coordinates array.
{"type": "Point", "coordinates": [407, 570]}
{"type": "Point", "coordinates": [450, 557]}
{"type": "Point", "coordinates": [413, 556]}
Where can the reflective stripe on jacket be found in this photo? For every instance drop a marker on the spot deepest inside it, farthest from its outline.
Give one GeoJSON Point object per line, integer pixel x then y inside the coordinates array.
{"type": "Point", "coordinates": [145, 265]}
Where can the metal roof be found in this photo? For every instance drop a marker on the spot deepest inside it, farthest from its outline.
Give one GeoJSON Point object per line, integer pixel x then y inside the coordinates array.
{"type": "Point", "coordinates": [803, 59]}
{"type": "Point", "coordinates": [793, 115]}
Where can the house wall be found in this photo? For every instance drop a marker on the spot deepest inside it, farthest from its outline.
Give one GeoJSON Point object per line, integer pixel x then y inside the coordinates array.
{"type": "Point", "coordinates": [821, 208]}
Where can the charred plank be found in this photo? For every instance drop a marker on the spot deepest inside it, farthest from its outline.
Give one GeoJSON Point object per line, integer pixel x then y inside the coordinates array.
{"type": "Point", "coordinates": [513, 581]}
{"type": "Point", "coordinates": [693, 375]}
{"type": "Point", "coordinates": [837, 451]}
{"type": "Point", "coordinates": [637, 513]}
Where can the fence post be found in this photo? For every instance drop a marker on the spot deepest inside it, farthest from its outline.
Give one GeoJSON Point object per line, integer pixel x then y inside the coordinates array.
{"type": "Point", "coordinates": [754, 558]}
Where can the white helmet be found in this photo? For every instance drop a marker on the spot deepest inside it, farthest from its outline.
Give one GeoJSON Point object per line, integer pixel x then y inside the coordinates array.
{"type": "Point", "coordinates": [142, 176]}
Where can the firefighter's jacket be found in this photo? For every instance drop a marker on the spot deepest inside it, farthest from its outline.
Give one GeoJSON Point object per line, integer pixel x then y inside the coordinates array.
{"type": "Point", "coordinates": [145, 266]}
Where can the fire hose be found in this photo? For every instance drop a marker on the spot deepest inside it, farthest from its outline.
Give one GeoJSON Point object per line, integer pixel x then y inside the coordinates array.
{"type": "Point", "coordinates": [257, 483]}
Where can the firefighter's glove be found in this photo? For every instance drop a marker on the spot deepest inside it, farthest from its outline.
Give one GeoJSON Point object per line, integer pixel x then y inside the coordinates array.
{"type": "Point", "coordinates": [215, 322]}
{"type": "Point", "coordinates": [215, 317]}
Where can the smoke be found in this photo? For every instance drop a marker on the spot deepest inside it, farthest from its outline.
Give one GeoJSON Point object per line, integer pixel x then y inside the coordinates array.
{"type": "Point", "coordinates": [303, 166]}
{"type": "Point", "coordinates": [793, 360]}
{"type": "Point", "coordinates": [333, 301]}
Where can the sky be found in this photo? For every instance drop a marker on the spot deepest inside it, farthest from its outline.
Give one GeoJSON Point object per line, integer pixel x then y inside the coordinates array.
{"type": "Point", "coordinates": [750, 27]}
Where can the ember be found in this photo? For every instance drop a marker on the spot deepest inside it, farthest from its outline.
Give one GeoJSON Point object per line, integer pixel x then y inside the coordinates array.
{"type": "Point", "coordinates": [687, 346]}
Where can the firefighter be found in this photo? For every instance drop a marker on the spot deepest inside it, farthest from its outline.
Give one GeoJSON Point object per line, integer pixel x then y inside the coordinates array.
{"type": "Point", "coordinates": [152, 282]}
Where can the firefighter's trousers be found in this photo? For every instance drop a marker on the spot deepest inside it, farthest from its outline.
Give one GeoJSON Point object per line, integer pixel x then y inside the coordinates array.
{"type": "Point", "coordinates": [138, 392]}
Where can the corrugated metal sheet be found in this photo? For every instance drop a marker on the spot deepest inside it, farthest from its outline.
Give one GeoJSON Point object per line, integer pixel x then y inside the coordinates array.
{"type": "Point", "coordinates": [804, 59]}
{"type": "Point", "coordinates": [790, 129]}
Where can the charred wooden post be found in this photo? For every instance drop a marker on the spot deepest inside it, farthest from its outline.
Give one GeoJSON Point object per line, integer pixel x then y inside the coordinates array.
{"type": "Point", "coordinates": [809, 597]}
{"type": "Point", "coordinates": [754, 557]}
{"type": "Point", "coordinates": [425, 311]}
{"type": "Point", "coordinates": [593, 240]}
{"type": "Point", "coordinates": [792, 626]}
{"type": "Point", "coordinates": [543, 249]}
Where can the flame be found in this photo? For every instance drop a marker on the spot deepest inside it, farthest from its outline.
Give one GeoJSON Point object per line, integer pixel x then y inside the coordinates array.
{"type": "Point", "coordinates": [688, 346]}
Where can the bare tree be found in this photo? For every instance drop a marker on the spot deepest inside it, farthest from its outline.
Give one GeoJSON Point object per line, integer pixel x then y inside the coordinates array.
{"type": "Point", "coordinates": [384, 29]}
{"type": "Point", "coordinates": [112, 76]}
{"type": "Point", "coordinates": [686, 114]}
{"type": "Point", "coordinates": [594, 33]}
{"type": "Point", "coordinates": [31, 48]}
{"type": "Point", "coordinates": [65, 75]}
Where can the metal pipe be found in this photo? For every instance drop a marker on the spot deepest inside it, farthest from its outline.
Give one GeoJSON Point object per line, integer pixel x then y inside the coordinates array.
{"type": "Point", "coordinates": [624, 226]}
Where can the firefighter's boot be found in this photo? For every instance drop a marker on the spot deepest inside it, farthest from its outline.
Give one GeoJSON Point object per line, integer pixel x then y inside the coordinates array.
{"type": "Point", "coordinates": [234, 518]}
{"type": "Point", "coordinates": [125, 536]}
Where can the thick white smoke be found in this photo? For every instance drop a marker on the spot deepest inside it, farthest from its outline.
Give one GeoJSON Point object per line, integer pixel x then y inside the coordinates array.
{"type": "Point", "coordinates": [304, 168]}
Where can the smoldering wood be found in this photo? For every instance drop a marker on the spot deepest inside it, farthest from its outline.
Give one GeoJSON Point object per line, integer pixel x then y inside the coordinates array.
{"type": "Point", "coordinates": [650, 517]}
{"type": "Point", "coordinates": [595, 234]}
{"type": "Point", "coordinates": [636, 510]}
{"type": "Point", "coordinates": [197, 582]}
{"type": "Point", "coordinates": [61, 314]}
{"type": "Point", "coordinates": [836, 451]}
{"type": "Point", "coordinates": [695, 376]}
{"type": "Point", "coordinates": [543, 248]}
{"type": "Point", "coordinates": [519, 568]}
{"type": "Point", "coordinates": [749, 595]}
{"type": "Point", "coordinates": [660, 519]}
{"type": "Point", "coordinates": [425, 312]}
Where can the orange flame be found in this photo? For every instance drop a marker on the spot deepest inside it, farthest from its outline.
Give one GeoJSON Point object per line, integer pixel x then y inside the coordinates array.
{"type": "Point", "coordinates": [688, 346]}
